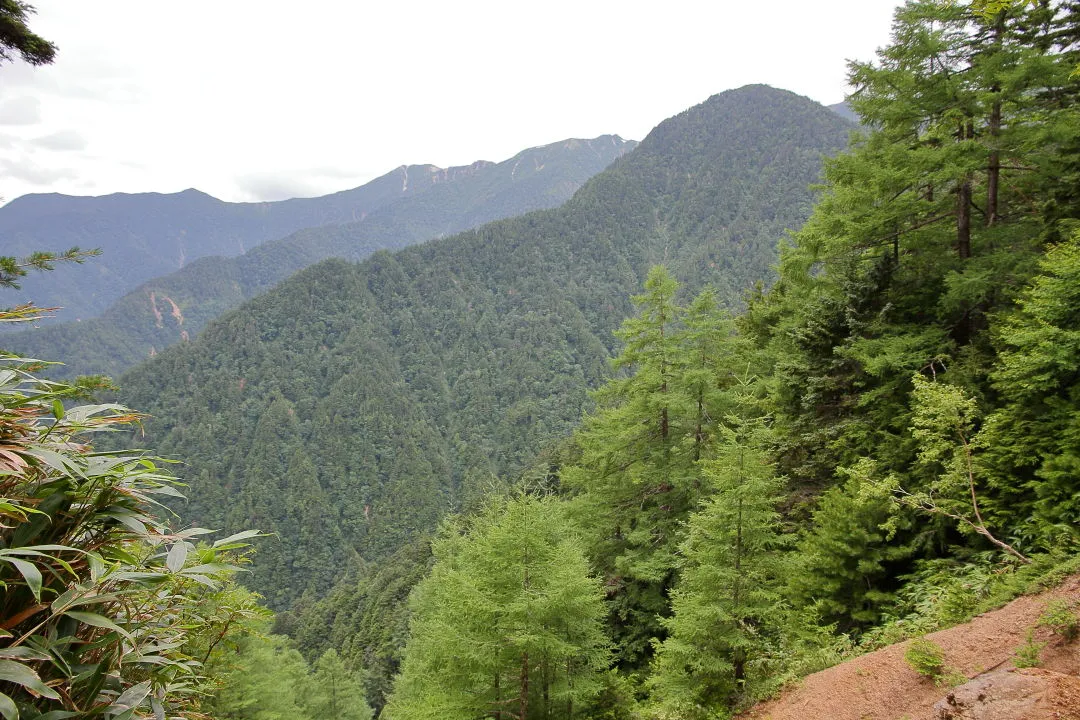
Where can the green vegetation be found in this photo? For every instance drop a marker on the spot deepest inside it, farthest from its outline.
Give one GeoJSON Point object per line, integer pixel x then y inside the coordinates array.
{"type": "Point", "coordinates": [1062, 619]}
{"type": "Point", "coordinates": [508, 621]}
{"type": "Point", "coordinates": [1029, 654]}
{"type": "Point", "coordinates": [17, 38]}
{"type": "Point", "coordinates": [926, 658]}
{"type": "Point", "coordinates": [351, 407]}
{"type": "Point", "coordinates": [260, 677]}
{"type": "Point", "coordinates": [12, 269]}
{"type": "Point", "coordinates": [762, 480]}
{"type": "Point", "coordinates": [726, 610]}
{"type": "Point", "coordinates": [139, 237]}
{"type": "Point", "coordinates": [103, 606]}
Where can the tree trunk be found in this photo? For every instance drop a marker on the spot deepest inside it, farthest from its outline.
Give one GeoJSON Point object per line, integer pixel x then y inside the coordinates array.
{"type": "Point", "coordinates": [963, 201]}
{"type": "Point", "coordinates": [523, 700]}
{"type": "Point", "coordinates": [963, 220]}
{"type": "Point", "coordinates": [993, 171]}
{"type": "Point", "coordinates": [570, 686]}
{"type": "Point", "coordinates": [699, 429]}
{"type": "Point", "coordinates": [738, 665]}
{"type": "Point", "coordinates": [546, 671]}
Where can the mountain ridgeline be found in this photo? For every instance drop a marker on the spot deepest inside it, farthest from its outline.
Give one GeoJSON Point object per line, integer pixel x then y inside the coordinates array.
{"type": "Point", "coordinates": [144, 235]}
{"type": "Point", "coordinates": [352, 406]}
{"type": "Point", "coordinates": [744, 406]}
{"type": "Point", "coordinates": [408, 205]}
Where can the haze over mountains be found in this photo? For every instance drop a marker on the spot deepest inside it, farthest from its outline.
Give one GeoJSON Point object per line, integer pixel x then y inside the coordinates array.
{"type": "Point", "coordinates": [350, 407]}
{"type": "Point", "coordinates": [148, 235]}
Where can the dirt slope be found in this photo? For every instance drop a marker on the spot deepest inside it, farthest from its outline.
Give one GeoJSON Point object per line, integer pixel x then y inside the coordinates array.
{"type": "Point", "coordinates": [881, 686]}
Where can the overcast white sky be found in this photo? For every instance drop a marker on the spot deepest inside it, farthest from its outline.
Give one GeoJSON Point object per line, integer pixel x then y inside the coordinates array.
{"type": "Point", "coordinates": [265, 99]}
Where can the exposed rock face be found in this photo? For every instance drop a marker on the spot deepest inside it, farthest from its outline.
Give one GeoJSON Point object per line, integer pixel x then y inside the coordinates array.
{"type": "Point", "coordinates": [1012, 694]}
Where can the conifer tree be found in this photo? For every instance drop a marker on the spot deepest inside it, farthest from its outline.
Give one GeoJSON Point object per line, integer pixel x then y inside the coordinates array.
{"type": "Point", "coordinates": [507, 625]}
{"type": "Point", "coordinates": [929, 225]}
{"type": "Point", "coordinates": [1033, 440]}
{"type": "Point", "coordinates": [726, 605]}
{"type": "Point", "coordinates": [841, 569]}
{"type": "Point", "coordinates": [638, 477]}
{"type": "Point", "coordinates": [635, 472]}
{"type": "Point", "coordinates": [262, 679]}
{"type": "Point", "coordinates": [708, 361]}
{"type": "Point", "coordinates": [335, 692]}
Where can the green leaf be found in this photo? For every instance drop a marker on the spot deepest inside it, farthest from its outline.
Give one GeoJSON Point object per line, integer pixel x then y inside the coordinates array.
{"type": "Point", "coordinates": [58, 409]}
{"type": "Point", "coordinates": [30, 573]}
{"type": "Point", "coordinates": [97, 566]}
{"type": "Point", "coordinates": [245, 535]}
{"type": "Point", "coordinates": [96, 621]}
{"type": "Point", "coordinates": [15, 672]}
{"type": "Point", "coordinates": [131, 521]}
{"type": "Point", "coordinates": [76, 596]}
{"type": "Point", "coordinates": [177, 557]}
{"type": "Point", "coordinates": [131, 698]}
{"type": "Point", "coordinates": [82, 412]}
{"type": "Point", "coordinates": [22, 652]}
{"type": "Point", "coordinates": [8, 708]}
{"type": "Point", "coordinates": [54, 460]}
{"type": "Point", "coordinates": [209, 569]}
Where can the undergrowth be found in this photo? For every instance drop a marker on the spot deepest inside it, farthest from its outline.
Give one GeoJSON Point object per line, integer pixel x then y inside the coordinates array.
{"type": "Point", "coordinates": [943, 593]}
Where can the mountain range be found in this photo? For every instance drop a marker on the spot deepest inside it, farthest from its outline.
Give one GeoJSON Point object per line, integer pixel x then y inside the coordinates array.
{"type": "Point", "coordinates": [220, 254]}
{"type": "Point", "coordinates": [352, 406]}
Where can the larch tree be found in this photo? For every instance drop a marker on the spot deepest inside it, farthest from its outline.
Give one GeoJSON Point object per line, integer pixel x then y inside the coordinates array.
{"type": "Point", "coordinates": [726, 606]}
{"type": "Point", "coordinates": [508, 624]}
{"type": "Point", "coordinates": [336, 692]}
{"type": "Point", "coordinates": [16, 37]}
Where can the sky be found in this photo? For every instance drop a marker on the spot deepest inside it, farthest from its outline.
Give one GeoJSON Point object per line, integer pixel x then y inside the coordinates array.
{"type": "Point", "coordinates": [253, 100]}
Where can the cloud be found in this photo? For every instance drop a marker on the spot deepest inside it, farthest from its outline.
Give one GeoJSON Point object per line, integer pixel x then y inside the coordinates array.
{"type": "Point", "coordinates": [91, 79]}
{"type": "Point", "coordinates": [340, 173]}
{"type": "Point", "coordinates": [23, 110]}
{"type": "Point", "coordinates": [276, 186]}
{"type": "Point", "coordinates": [300, 182]}
{"type": "Point", "coordinates": [28, 171]}
{"type": "Point", "coordinates": [64, 140]}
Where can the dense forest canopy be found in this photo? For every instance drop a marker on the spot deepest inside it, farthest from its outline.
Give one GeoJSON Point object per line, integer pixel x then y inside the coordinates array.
{"type": "Point", "coordinates": [351, 407]}
{"type": "Point", "coordinates": [645, 455]}
{"type": "Point", "coordinates": [205, 234]}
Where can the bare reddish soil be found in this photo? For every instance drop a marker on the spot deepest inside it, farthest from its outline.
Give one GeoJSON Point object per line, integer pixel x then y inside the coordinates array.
{"type": "Point", "coordinates": [882, 686]}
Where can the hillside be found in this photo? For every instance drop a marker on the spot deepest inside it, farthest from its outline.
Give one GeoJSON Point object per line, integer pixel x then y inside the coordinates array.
{"type": "Point", "coordinates": [349, 408]}
{"type": "Point", "coordinates": [148, 235]}
{"type": "Point", "coordinates": [432, 203]}
{"type": "Point", "coordinates": [982, 654]}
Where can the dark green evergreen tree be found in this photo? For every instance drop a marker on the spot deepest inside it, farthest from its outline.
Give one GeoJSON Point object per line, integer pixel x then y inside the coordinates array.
{"type": "Point", "coordinates": [1032, 442]}
{"type": "Point", "coordinates": [635, 472]}
{"type": "Point", "coordinates": [843, 570]}
{"type": "Point", "coordinates": [725, 623]}
{"type": "Point", "coordinates": [16, 38]}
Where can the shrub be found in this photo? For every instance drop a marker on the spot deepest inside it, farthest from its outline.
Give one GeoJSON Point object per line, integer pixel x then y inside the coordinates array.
{"type": "Point", "coordinates": [926, 658]}
{"type": "Point", "coordinates": [1028, 654]}
{"type": "Point", "coordinates": [1062, 619]}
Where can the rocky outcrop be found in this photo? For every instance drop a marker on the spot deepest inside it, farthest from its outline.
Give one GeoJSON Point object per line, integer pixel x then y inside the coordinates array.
{"type": "Point", "coordinates": [1012, 694]}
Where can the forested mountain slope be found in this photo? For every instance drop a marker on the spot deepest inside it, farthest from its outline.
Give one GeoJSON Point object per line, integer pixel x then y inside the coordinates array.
{"type": "Point", "coordinates": [144, 235]}
{"type": "Point", "coordinates": [352, 406]}
{"type": "Point", "coordinates": [430, 202]}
